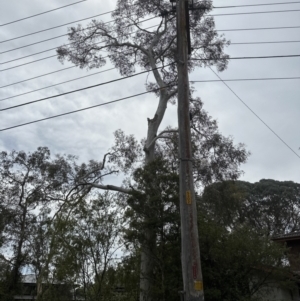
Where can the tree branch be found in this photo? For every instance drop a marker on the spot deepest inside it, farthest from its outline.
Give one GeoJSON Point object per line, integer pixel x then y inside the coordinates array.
{"type": "Point", "coordinates": [142, 29]}
{"type": "Point", "coordinates": [169, 45]}
{"type": "Point", "coordinates": [108, 187]}
{"type": "Point", "coordinates": [172, 94]}
{"type": "Point", "coordinates": [118, 44]}
{"type": "Point", "coordinates": [160, 136]}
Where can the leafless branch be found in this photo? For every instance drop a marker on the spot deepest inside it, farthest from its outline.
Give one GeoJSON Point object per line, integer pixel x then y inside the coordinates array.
{"type": "Point", "coordinates": [142, 29]}
{"type": "Point", "coordinates": [108, 187]}
{"type": "Point", "coordinates": [168, 46]}
{"type": "Point", "coordinates": [160, 136]}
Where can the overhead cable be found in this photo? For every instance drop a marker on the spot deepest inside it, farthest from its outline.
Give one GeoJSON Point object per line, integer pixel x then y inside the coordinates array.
{"type": "Point", "coordinates": [282, 11]}
{"type": "Point", "coordinates": [24, 46]}
{"type": "Point", "coordinates": [256, 12]}
{"type": "Point", "coordinates": [261, 4]}
{"type": "Point", "coordinates": [250, 57]}
{"type": "Point", "coordinates": [48, 11]}
{"type": "Point", "coordinates": [233, 29]}
{"type": "Point", "coordinates": [60, 70]}
{"type": "Point", "coordinates": [31, 44]}
{"type": "Point", "coordinates": [266, 42]}
{"type": "Point", "coordinates": [193, 59]}
{"type": "Point", "coordinates": [80, 110]}
{"type": "Point", "coordinates": [81, 89]}
{"type": "Point", "coordinates": [55, 55]}
{"type": "Point", "coordinates": [192, 81]}
{"type": "Point", "coordinates": [245, 79]}
{"type": "Point", "coordinates": [65, 44]}
{"type": "Point", "coordinates": [124, 78]}
{"type": "Point", "coordinates": [68, 81]}
{"type": "Point", "coordinates": [58, 26]}
{"type": "Point", "coordinates": [255, 114]}
{"type": "Point", "coordinates": [260, 28]}
{"type": "Point", "coordinates": [28, 63]}
{"type": "Point", "coordinates": [54, 27]}
{"type": "Point", "coordinates": [42, 75]}
{"type": "Point", "coordinates": [231, 43]}
{"type": "Point", "coordinates": [35, 77]}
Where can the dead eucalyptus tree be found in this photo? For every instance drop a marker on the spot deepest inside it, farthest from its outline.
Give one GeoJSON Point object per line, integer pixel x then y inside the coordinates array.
{"type": "Point", "coordinates": [130, 46]}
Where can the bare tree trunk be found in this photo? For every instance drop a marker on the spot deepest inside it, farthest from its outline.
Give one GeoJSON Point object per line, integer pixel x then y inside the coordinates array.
{"type": "Point", "coordinates": [146, 274]}
{"type": "Point", "coordinates": [147, 263]}
{"type": "Point", "coordinates": [39, 287]}
{"type": "Point", "coordinates": [15, 274]}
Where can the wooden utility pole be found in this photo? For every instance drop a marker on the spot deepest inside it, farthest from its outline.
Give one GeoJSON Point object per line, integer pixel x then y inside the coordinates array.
{"type": "Point", "coordinates": [190, 251]}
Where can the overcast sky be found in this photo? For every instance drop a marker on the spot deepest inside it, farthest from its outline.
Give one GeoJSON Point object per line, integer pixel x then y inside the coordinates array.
{"type": "Point", "coordinates": [89, 134]}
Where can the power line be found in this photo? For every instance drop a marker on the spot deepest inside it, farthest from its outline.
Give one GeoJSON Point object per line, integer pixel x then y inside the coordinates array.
{"type": "Point", "coordinates": [35, 43]}
{"type": "Point", "coordinates": [65, 45]}
{"type": "Point", "coordinates": [216, 7]}
{"type": "Point", "coordinates": [28, 63]}
{"type": "Point", "coordinates": [203, 81]}
{"type": "Point", "coordinates": [269, 28]}
{"type": "Point", "coordinates": [260, 28]}
{"type": "Point", "coordinates": [238, 43]}
{"type": "Point", "coordinates": [267, 42]}
{"type": "Point", "coordinates": [82, 89]}
{"type": "Point", "coordinates": [42, 75]}
{"type": "Point", "coordinates": [251, 57]}
{"type": "Point", "coordinates": [47, 29]}
{"type": "Point", "coordinates": [68, 81]}
{"type": "Point", "coordinates": [245, 79]}
{"type": "Point", "coordinates": [80, 110]}
{"type": "Point", "coordinates": [261, 4]}
{"type": "Point", "coordinates": [42, 41]}
{"type": "Point", "coordinates": [55, 55]}
{"type": "Point", "coordinates": [48, 11]}
{"type": "Point", "coordinates": [109, 22]}
{"type": "Point", "coordinates": [257, 12]}
{"type": "Point", "coordinates": [232, 58]}
{"type": "Point", "coordinates": [239, 29]}
{"type": "Point", "coordinates": [60, 70]}
{"type": "Point", "coordinates": [54, 27]}
{"type": "Point", "coordinates": [58, 26]}
{"type": "Point", "coordinates": [255, 114]}
{"type": "Point", "coordinates": [26, 56]}
{"type": "Point", "coordinates": [220, 7]}
{"type": "Point", "coordinates": [253, 79]}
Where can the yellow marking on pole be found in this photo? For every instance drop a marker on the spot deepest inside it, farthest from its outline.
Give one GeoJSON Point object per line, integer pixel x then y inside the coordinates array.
{"type": "Point", "coordinates": [198, 286]}
{"type": "Point", "coordinates": [188, 197]}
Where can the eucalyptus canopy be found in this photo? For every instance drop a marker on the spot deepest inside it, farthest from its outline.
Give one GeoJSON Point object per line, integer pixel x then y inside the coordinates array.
{"type": "Point", "coordinates": [130, 45]}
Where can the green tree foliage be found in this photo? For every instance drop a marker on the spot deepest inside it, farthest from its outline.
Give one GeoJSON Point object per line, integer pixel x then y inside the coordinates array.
{"type": "Point", "coordinates": [35, 192]}
{"type": "Point", "coordinates": [238, 219]}
{"type": "Point", "coordinates": [28, 183]}
{"type": "Point", "coordinates": [160, 213]}
{"type": "Point", "coordinates": [126, 277]}
{"type": "Point", "coordinates": [268, 206]}
{"type": "Point", "coordinates": [89, 242]}
{"type": "Point", "coordinates": [238, 259]}
{"type": "Point", "coordinates": [70, 235]}
{"type": "Point", "coordinates": [131, 47]}
{"type": "Point", "coordinates": [237, 264]}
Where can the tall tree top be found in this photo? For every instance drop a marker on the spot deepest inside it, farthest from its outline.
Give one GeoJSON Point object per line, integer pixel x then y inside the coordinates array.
{"type": "Point", "coordinates": [130, 45]}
